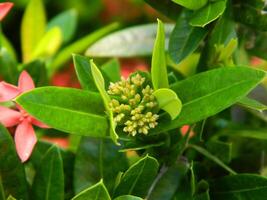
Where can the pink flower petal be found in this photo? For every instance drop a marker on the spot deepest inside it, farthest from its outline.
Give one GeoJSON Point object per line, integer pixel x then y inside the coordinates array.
{"type": "Point", "coordinates": [4, 9]}
{"type": "Point", "coordinates": [25, 140]}
{"type": "Point", "coordinates": [9, 117]}
{"type": "Point", "coordinates": [25, 82]}
{"type": "Point", "coordinates": [38, 123]}
{"type": "Point", "coordinates": [8, 91]}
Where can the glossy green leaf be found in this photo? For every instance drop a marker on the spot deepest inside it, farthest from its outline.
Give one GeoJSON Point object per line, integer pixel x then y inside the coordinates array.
{"type": "Point", "coordinates": [80, 45]}
{"type": "Point", "coordinates": [97, 191]}
{"type": "Point", "coordinates": [209, 13]}
{"type": "Point", "coordinates": [96, 159]}
{"type": "Point", "coordinates": [212, 157]}
{"type": "Point", "coordinates": [12, 172]}
{"type": "Point", "coordinates": [130, 42]}
{"type": "Point", "coordinates": [32, 28]}
{"type": "Point", "coordinates": [69, 110]}
{"type": "Point", "coordinates": [168, 101]}
{"type": "Point", "coordinates": [208, 93]}
{"type": "Point", "coordinates": [138, 178]}
{"type": "Point", "coordinates": [8, 67]}
{"type": "Point", "coordinates": [83, 70]}
{"type": "Point", "coordinates": [184, 39]}
{"type": "Point", "coordinates": [158, 66]}
{"type": "Point", "coordinates": [191, 4]}
{"type": "Point", "coordinates": [252, 104]}
{"type": "Point", "coordinates": [67, 22]}
{"type": "Point", "coordinates": [49, 179]}
{"type": "Point", "coordinates": [241, 186]}
{"type": "Point", "coordinates": [111, 70]}
{"type": "Point", "coordinates": [128, 197]}
{"type": "Point", "coordinates": [49, 44]}
{"type": "Point", "coordinates": [100, 84]}
{"type": "Point", "coordinates": [166, 7]}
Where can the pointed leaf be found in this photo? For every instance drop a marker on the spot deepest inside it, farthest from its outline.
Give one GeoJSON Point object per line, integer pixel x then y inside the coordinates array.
{"type": "Point", "coordinates": [97, 191]}
{"type": "Point", "coordinates": [185, 39]}
{"type": "Point", "coordinates": [168, 101]}
{"type": "Point", "coordinates": [49, 179]}
{"type": "Point", "coordinates": [32, 28]}
{"type": "Point", "coordinates": [83, 70]}
{"type": "Point", "coordinates": [208, 14]}
{"type": "Point", "coordinates": [138, 178]}
{"type": "Point", "coordinates": [159, 67]}
{"type": "Point", "coordinates": [208, 93]}
{"type": "Point", "coordinates": [49, 44]}
{"type": "Point", "coordinates": [69, 110]}
{"type": "Point", "coordinates": [252, 104]}
{"type": "Point", "coordinates": [67, 22]}
{"type": "Point", "coordinates": [12, 172]}
{"type": "Point", "coordinates": [130, 42]}
{"type": "Point", "coordinates": [100, 84]}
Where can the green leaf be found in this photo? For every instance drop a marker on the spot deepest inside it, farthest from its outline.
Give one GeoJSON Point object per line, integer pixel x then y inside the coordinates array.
{"type": "Point", "coordinates": [129, 42]}
{"type": "Point", "coordinates": [12, 172]}
{"type": "Point", "coordinates": [37, 70]}
{"type": "Point", "coordinates": [211, 157]}
{"type": "Point", "coordinates": [241, 186]}
{"type": "Point", "coordinates": [247, 133]}
{"type": "Point", "coordinates": [32, 28]}
{"type": "Point", "coordinates": [5, 43]}
{"type": "Point", "coordinates": [49, 44]}
{"type": "Point", "coordinates": [69, 110]}
{"type": "Point", "coordinates": [80, 45]}
{"type": "Point", "coordinates": [184, 39]}
{"type": "Point", "coordinates": [138, 178]}
{"type": "Point", "coordinates": [208, 93]}
{"type": "Point", "coordinates": [158, 66]}
{"type": "Point", "coordinates": [100, 84]}
{"type": "Point", "coordinates": [83, 70]}
{"type": "Point", "coordinates": [10, 198]}
{"type": "Point", "coordinates": [208, 14]}
{"type": "Point", "coordinates": [191, 4]}
{"type": "Point", "coordinates": [111, 70]}
{"type": "Point", "coordinates": [252, 104]}
{"type": "Point", "coordinates": [221, 150]}
{"type": "Point", "coordinates": [166, 7]}
{"type": "Point", "coordinates": [168, 101]}
{"type": "Point", "coordinates": [96, 159]}
{"type": "Point", "coordinates": [169, 181]}
{"type": "Point", "coordinates": [97, 191]}
{"type": "Point", "coordinates": [49, 179]}
{"type": "Point", "coordinates": [8, 67]}
{"type": "Point", "coordinates": [128, 197]}
{"type": "Point", "coordinates": [67, 22]}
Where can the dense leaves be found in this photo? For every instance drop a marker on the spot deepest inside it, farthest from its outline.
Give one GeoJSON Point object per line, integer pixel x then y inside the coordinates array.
{"type": "Point", "coordinates": [12, 171]}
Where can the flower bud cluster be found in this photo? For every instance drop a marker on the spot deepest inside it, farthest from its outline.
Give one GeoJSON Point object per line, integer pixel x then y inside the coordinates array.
{"type": "Point", "coordinates": [133, 105]}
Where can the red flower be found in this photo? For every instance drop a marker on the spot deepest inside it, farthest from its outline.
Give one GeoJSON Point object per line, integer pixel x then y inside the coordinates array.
{"type": "Point", "coordinates": [4, 9]}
